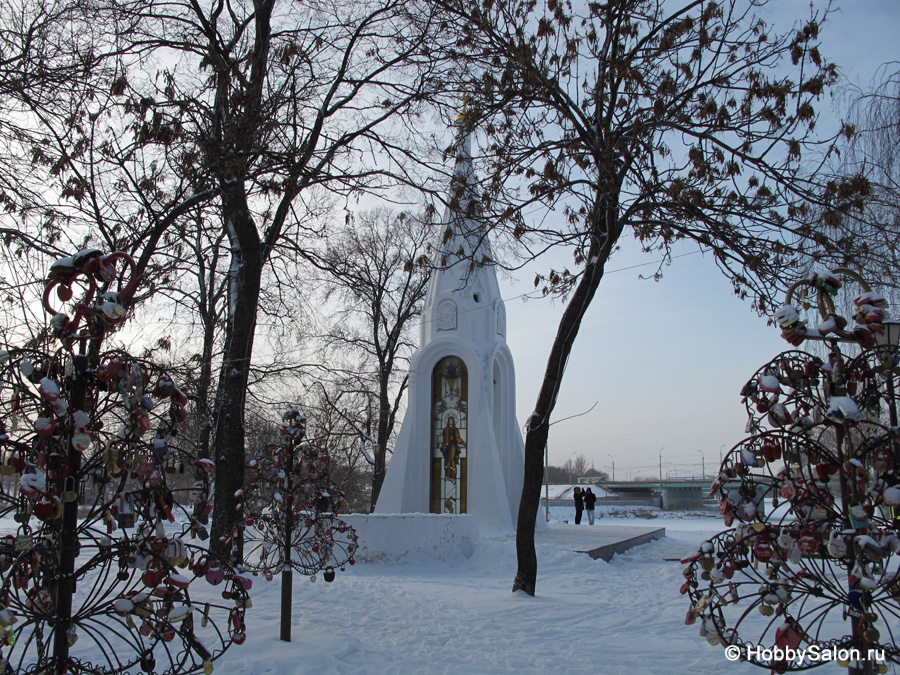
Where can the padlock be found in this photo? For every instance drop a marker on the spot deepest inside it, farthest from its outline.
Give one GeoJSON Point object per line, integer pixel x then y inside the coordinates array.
{"type": "Point", "coordinates": [215, 574]}
{"type": "Point", "coordinates": [152, 574]}
{"type": "Point", "coordinates": [69, 494]}
{"type": "Point", "coordinates": [179, 614]}
{"type": "Point", "coordinates": [837, 544]}
{"type": "Point", "coordinates": [808, 542]}
{"type": "Point", "coordinates": [762, 550]}
{"type": "Point", "coordinates": [146, 628]}
{"type": "Point", "coordinates": [690, 618]}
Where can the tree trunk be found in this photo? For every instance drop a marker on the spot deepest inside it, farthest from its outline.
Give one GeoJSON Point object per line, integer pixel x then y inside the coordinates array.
{"type": "Point", "coordinates": [382, 437]}
{"type": "Point", "coordinates": [243, 297]}
{"type": "Point", "coordinates": [529, 504]}
{"type": "Point", "coordinates": [201, 403]}
{"type": "Point", "coordinates": [605, 233]}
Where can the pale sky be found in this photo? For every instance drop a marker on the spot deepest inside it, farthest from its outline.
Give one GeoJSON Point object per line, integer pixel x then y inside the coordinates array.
{"type": "Point", "coordinates": [666, 361]}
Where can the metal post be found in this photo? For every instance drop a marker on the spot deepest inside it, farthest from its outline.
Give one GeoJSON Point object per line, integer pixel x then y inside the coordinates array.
{"type": "Point", "coordinates": [546, 482]}
{"type": "Point", "coordinates": [68, 538]}
{"type": "Point", "coordinates": [287, 592]}
{"type": "Point", "coordinates": [287, 574]}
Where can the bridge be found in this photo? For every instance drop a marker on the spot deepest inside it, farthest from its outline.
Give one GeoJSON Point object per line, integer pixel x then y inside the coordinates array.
{"type": "Point", "coordinates": [671, 494]}
{"type": "Point", "coordinates": [668, 494]}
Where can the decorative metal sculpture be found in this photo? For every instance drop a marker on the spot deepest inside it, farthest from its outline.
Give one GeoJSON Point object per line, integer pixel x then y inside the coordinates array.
{"type": "Point", "coordinates": [291, 510]}
{"type": "Point", "coordinates": [98, 558]}
{"type": "Point", "coordinates": [810, 572]}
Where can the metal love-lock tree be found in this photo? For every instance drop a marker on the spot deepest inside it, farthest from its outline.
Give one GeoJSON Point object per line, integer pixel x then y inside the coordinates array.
{"type": "Point", "coordinates": [86, 439]}
{"type": "Point", "coordinates": [808, 573]}
{"type": "Point", "coordinates": [290, 507]}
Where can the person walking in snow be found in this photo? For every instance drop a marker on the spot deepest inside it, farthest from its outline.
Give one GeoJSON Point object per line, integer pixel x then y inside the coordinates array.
{"type": "Point", "coordinates": [589, 499]}
{"type": "Point", "coordinates": [579, 504]}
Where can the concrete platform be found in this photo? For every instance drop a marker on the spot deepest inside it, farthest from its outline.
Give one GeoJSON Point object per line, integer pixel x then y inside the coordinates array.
{"type": "Point", "coordinates": [598, 541]}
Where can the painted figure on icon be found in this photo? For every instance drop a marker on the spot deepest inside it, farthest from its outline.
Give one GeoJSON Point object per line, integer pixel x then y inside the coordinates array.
{"type": "Point", "coordinates": [450, 448]}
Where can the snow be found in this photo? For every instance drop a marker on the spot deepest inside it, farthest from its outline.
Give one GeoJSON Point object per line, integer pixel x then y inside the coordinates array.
{"type": "Point", "coordinates": [459, 616]}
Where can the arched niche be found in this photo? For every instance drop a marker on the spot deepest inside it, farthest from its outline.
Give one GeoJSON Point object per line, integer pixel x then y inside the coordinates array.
{"type": "Point", "coordinates": [446, 315]}
{"type": "Point", "coordinates": [449, 435]}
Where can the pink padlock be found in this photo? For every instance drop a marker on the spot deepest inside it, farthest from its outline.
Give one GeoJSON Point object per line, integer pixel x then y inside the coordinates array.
{"type": "Point", "coordinates": [215, 574]}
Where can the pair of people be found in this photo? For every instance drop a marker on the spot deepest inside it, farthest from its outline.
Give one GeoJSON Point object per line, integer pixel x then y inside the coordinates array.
{"type": "Point", "coordinates": [584, 501]}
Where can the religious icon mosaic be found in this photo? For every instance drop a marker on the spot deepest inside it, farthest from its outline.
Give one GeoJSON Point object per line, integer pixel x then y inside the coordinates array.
{"type": "Point", "coordinates": [449, 435]}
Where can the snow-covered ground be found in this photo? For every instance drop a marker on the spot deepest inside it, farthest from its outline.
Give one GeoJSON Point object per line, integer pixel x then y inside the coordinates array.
{"type": "Point", "coordinates": [624, 616]}
{"type": "Point", "coordinates": [459, 616]}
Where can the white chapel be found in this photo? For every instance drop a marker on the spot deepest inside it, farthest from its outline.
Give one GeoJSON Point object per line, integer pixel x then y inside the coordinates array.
{"type": "Point", "coordinates": [460, 449]}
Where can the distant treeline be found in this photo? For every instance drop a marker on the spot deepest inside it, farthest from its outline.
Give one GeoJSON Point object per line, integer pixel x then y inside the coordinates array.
{"type": "Point", "coordinates": [575, 467]}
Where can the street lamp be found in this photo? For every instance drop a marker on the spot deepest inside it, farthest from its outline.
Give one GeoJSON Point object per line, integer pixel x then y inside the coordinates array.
{"type": "Point", "coordinates": [613, 467]}
{"type": "Point", "coordinates": [891, 334]}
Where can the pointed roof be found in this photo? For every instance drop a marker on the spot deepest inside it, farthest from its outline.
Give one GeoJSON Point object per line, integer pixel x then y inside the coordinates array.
{"type": "Point", "coordinates": [463, 295]}
{"type": "Point", "coordinates": [465, 237]}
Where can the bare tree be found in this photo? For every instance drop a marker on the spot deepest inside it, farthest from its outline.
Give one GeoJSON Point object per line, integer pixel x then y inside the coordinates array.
{"type": "Point", "coordinates": [248, 117]}
{"type": "Point", "coordinates": [664, 121]}
{"type": "Point", "coordinates": [288, 102]}
{"type": "Point", "coordinates": [873, 150]}
{"type": "Point", "coordinates": [376, 272]}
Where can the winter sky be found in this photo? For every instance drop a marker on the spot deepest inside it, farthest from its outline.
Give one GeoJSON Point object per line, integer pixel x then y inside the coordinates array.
{"type": "Point", "coordinates": [665, 361]}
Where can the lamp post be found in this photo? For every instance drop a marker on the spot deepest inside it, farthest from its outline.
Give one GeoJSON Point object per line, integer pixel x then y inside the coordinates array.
{"type": "Point", "coordinates": [703, 462]}
{"type": "Point", "coordinates": [547, 482]}
{"type": "Point", "coordinates": [613, 467]}
{"type": "Point", "coordinates": [660, 466]}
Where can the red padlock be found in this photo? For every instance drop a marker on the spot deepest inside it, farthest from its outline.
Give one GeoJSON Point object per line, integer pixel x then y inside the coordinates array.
{"type": "Point", "coordinates": [44, 508]}
{"type": "Point", "coordinates": [762, 550]}
{"type": "Point", "coordinates": [109, 370]}
{"type": "Point", "coordinates": [45, 426]}
{"type": "Point", "coordinates": [726, 510]}
{"type": "Point", "coordinates": [808, 542]}
{"type": "Point", "coordinates": [771, 451]}
{"type": "Point", "coordinates": [201, 567]}
{"type": "Point", "coordinates": [152, 575]}
{"type": "Point", "coordinates": [164, 387]}
{"type": "Point", "coordinates": [237, 627]}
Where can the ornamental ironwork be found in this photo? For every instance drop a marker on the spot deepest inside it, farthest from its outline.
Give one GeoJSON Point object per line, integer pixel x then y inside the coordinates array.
{"type": "Point", "coordinates": [102, 567]}
{"type": "Point", "coordinates": [809, 570]}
